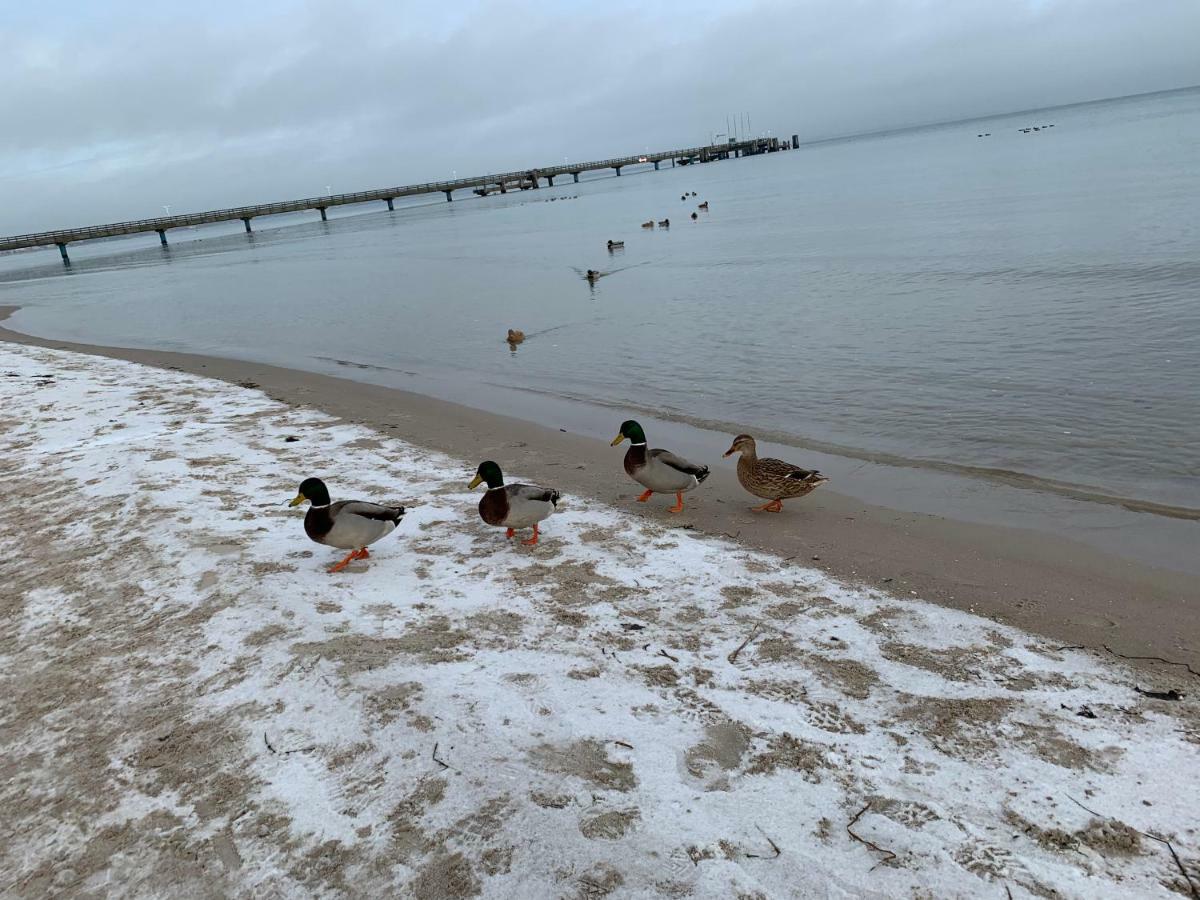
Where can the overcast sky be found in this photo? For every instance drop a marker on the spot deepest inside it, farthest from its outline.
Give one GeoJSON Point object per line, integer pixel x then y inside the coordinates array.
{"type": "Point", "coordinates": [110, 109]}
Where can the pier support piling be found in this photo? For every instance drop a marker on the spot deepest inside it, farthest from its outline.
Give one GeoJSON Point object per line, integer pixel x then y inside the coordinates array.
{"type": "Point", "coordinates": [503, 188]}
{"type": "Point", "coordinates": [656, 165]}
{"type": "Point", "coordinates": [449, 196]}
{"type": "Point", "coordinates": [389, 203]}
{"type": "Point", "coordinates": [618, 168]}
{"type": "Point", "coordinates": [162, 236]}
{"type": "Point", "coordinates": [246, 222]}
{"type": "Point", "coordinates": [575, 175]}
{"type": "Point", "coordinates": [550, 181]}
{"type": "Point", "coordinates": [322, 211]}
{"type": "Point", "coordinates": [62, 248]}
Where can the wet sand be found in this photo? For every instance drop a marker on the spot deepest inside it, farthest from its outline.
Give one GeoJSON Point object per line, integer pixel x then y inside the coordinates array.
{"type": "Point", "coordinates": [1071, 592]}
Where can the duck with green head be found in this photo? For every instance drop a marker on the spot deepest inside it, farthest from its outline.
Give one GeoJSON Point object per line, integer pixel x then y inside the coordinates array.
{"type": "Point", "coordinates": [512, 506]}
{"type": "Point", "coordinates": [658, 471]}
{"type": "Point", "coordinates": [348, 524]}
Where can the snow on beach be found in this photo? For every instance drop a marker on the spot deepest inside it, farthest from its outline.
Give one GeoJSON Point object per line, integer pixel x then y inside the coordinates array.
{"type": "Point", "coordinates": [191, 703]}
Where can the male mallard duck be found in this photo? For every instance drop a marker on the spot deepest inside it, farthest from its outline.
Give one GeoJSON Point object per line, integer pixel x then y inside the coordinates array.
{"type": "Point", "coordinates": [348, 524]}
{"type": "Point", "coordinates": [771, 479]}
{"type": "Point", "coordinates": [615, 245]}
{"type": "Point", "coordinates": [665, 223]}
{"type": "Point", "coordinates": [592, 275]}
{"type": "Point", "coordinates": [512, 506]}
{"type": "Point", "coordinates": [695, 216]}
{"type": "Point", "coordinates": [703, 205]}
{"type": "Point", "coordinates": [659, 471]}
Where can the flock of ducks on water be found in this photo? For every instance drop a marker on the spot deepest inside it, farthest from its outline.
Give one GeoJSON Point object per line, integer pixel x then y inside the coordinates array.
{"type": "Point", "coordinates": [1031, 128]}
{"type": "Point", "coordinates": [353, 525]}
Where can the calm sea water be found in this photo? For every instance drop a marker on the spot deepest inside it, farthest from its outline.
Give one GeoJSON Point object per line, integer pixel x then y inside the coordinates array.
{"type": "Point", "coordinates": [1023, 303]}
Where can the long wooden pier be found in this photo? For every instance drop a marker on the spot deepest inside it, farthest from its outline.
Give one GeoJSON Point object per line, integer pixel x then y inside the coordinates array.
{"type": "Point", "coordinates": [481, 184]}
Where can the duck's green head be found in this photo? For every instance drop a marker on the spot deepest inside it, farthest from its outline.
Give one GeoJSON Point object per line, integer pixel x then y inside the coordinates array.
{"type": "Point", "coordinates": [490, 472]}
{"type": "Point", "coordinates": [314, 491]}
{"type": "Point", "coordinates": [631, 430]}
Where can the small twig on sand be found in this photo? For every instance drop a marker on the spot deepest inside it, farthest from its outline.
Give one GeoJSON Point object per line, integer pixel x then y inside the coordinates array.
{"type": "Point", "coordinates": [1169, 662]}
{"type": "Point", "coordinates": [298, 750]}
{"type": "Point", "coordinates": [1154, 837]}
{"type": "Point", "coordinates": [268, 743]}
{"type": "Point", "coordinates": [623, 744]}
{"type": "Point", "coordinates": [774, 847]}
{"type": "Point", "coordinates": [850, 831]}
{"type": "Point", "coordinates": [732, 657]}
{"type": "Point", "coordinates": [435, 758]}
{"type": "Point", "coordinates": [662, 652]}
{"type": "Point", "coordinates": [1008, 890]}
{"type": "Point", "coordinates": [1172, 694]}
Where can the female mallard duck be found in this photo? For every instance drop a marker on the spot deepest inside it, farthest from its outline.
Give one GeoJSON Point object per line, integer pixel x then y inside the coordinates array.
{"type": "Point", "coordinates": [348, 524]}
{"type": "Point", "coordinates": [658, 471]}
{"type": "Point", "coordinates": [771, 479]}
{"type": "Point", "coordinates": [512, 506]}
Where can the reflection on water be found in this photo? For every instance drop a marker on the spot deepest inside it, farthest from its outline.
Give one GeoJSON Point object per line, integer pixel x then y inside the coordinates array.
{"type": "Point", "coordinates": [1027, 303]}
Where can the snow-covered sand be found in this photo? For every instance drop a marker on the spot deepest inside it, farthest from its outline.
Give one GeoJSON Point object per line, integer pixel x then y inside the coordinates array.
{"type": "Point", "coordinates": [192, 705]}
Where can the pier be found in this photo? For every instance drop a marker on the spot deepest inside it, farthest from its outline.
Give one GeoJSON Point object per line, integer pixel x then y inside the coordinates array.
{"type": "Point", "coordinates": [528, 179]}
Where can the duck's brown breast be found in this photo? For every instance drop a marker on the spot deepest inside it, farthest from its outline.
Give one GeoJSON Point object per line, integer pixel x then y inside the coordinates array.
{"type": "Point", "coordinates": [635, 458]}
{"type": "Point", "coordinates": [493, 507]}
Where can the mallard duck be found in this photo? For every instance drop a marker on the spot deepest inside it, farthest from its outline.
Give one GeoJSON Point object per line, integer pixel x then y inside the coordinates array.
{"type": "Point", "coordinates": [649, 224]}
{"type": "Point", "coordinates": [515, 336]}
{"type": "Point", "coordinates": [695, 216]}
{"type": "Point", "coordinates": [771, 479]}
{"type": "Point", "coordinates": [658, 471]}
{"type": "Point", "coordinates": [348, 524]}
{"type": "Point", "coordinates": [512, 506]}
{"type": "Point", "coordinates": [615, 245]}
{"type": "Point", "coordinates": [592, 274]}
{"type": "Point", "coordinates": [665, 223]}
{"type": "Point", "coordinates": [703, 205]}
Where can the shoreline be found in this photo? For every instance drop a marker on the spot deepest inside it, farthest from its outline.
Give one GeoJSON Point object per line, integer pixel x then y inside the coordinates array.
{"type": "Point", "coordinates": [197, 706]}
{"type": "Point", "coordinates": [1060, 588]}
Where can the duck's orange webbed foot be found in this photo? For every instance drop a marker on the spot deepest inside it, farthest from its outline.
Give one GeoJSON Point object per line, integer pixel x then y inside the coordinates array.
{"type": "Point", "coordinates": [350, 557]}
{"type": "Point", "coordinates": [510, 532]}
{"type": "Point", "coordinates": [646, 496]}
{"type": "Point", "coordinates": [773, 506]}
{"type": "Point", "coordinates": [533, 540]}
{"type": "Point", "coordinates": [364, 553]}
{"type": "Point", "coordinates": [678, 507]}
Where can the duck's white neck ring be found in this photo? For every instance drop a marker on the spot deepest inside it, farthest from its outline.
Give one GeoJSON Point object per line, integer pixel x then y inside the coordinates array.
{"type": "Point", "coordinates": [321, 505]}
{"type": "Point", "coordinates": [498, 487]}
{"type": "Point", "coordinates": [637, 444]}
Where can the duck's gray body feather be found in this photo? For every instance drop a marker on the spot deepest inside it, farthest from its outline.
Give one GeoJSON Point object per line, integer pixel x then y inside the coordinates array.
{"type": "Point", "coordinates": [528, 505]}
{"type": "Point", "coordinates": [351, 524]}
{"type": "Point", "coordinates": [663, 471]}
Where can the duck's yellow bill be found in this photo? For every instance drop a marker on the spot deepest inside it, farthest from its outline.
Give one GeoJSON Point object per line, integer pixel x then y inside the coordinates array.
{"type": "Point", "coordinates": [475, 482]}
{"type": "Point", "coordinates": [300, 498]}
{"type": "Point", "coordinates": [617, 440]}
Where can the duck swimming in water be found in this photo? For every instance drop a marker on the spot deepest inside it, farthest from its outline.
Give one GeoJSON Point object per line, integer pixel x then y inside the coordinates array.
{"type": "Point", "coordinates": [658, 471]}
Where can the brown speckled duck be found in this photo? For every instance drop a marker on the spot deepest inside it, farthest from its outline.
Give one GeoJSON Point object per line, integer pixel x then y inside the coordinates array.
{"type": "Point", "coordinates": [771, 479]}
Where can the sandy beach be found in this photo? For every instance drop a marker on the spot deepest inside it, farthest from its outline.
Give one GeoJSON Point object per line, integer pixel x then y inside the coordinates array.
{"type": "Point", "coordinates": [1072, 592]}
{"type": "Point", "coordinates": [634, 708]}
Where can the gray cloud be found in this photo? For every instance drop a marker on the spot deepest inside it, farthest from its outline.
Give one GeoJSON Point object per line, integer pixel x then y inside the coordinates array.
{"type": "Point", "coordinates": [111, 117]}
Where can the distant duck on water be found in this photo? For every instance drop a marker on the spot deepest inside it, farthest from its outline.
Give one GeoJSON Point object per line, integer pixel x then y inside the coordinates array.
{"type": "Point", "coordinates": [616, 245]}
{"type": "Point", "coordinates": [665, 223]}
{"type": "Point", "coordinates": [515, 336]}
{"type": "Point", "coordinates": [649, 224]}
